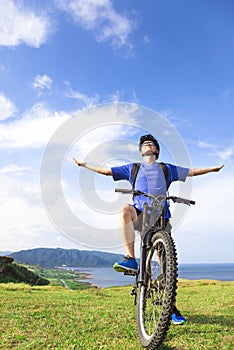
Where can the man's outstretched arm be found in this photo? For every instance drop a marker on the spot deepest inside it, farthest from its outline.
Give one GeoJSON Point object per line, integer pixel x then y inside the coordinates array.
{"type": "Point", "coordinates": [202, 171]}
{"type": "Point", "coordinates": [96, 169]}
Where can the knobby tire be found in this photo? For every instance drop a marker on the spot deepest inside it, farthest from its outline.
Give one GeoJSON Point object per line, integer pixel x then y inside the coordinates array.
{"type": "Point", "coordinates": [156, 299]}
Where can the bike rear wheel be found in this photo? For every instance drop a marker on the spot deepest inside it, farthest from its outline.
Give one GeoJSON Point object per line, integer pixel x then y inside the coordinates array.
{"type": "Point", "coordinates": [156, 299]}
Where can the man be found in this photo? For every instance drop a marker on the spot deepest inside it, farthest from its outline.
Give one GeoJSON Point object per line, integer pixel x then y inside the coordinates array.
{"type": "Point", "coordinates": [151, 179]}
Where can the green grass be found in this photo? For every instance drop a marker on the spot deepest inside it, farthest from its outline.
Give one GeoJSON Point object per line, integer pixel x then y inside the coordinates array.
{"type": "Point", "coordinates": [52, 317]}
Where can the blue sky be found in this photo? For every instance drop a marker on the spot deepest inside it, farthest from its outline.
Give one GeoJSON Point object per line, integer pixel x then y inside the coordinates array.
{"type": "Point", "coordinates": [61, 57]}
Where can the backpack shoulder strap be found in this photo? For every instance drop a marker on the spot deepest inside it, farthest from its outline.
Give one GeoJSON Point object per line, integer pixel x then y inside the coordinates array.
{"type": "Point", "coordinates": [135, 169]}
{"type": "Point", "coordinates": [165, 172]}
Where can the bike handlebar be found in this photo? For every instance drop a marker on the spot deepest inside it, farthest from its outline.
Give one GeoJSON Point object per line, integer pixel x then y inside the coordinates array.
{"type": "Point", "coordinates": [173, 198]}
{"type": "Point", "coordinates": [124, 190]}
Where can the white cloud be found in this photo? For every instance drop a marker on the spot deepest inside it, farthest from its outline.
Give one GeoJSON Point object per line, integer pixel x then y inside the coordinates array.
{"type": "Point", "coordinates": [19, 25]}
{"type": "Point", "coordinates": [100, 17]}
{"type": "Point", "coordinates": [175, 120]}
{"type": "Point", "coordinates": [116, 96]}
{"type": "Point", "coordinates": [146, 40]}
{"type": "Point", "coordinates": [107, 140]}
{"type": "Point", "coordinates": [33, 130]}
{"type": "Point", "coordinates": [206, 145]}
{"type": "Point", "coordinates": [14, 169]}
{"type": "Point", "coordinates": [222, 155]}
{"type": "Point", "coordinates": [42, 82]}
{"type": "Point", "coordinates": [89, 101]}
{"type": "Point", "coordinates": [226, 154]}
{"type": "Point", "coordinates": [7, 108]}
{"type": "Point", "coordinates": [37, 125]}
{"type": "Point", "coordinates": [85, 100]}
{"type": "Point", "coordinates": [24, 223]}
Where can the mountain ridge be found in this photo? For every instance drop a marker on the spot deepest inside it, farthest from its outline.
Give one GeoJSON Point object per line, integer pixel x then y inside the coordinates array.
{"type": "Point", "coordinates": [54, 257]}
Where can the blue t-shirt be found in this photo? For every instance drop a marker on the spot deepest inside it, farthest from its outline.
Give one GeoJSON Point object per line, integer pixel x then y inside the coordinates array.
{"type": "Point", "coordinates": [150, 179]}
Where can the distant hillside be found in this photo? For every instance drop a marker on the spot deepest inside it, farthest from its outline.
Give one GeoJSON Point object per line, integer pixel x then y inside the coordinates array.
{"type": "Point", "coordinates": [4, 253]}
{"type": "Point", "coordinates": [11, 272]}
{"type": "Point", "coordinates": [51, 257]}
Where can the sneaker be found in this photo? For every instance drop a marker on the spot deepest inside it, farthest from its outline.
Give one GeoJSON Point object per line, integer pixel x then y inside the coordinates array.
{"type": "Point", "coordinates": [177, 318]}
{"type": "Point", "coordinates": [129, 264]}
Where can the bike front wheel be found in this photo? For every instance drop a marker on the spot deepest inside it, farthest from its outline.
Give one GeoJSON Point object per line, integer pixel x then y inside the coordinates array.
{"type": "Point", "coordinates": [156, 298]}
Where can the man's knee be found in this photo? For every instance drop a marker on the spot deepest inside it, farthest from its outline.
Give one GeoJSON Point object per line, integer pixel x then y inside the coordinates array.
{"type": "Point", "coordinates": [128, 211]}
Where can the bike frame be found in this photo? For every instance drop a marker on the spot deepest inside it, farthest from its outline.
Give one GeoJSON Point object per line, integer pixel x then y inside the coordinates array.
{"type": "Point", "coordinates": [145, 244]}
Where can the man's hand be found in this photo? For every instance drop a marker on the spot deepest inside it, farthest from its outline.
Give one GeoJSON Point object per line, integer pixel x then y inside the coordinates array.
{"type": "Point", "coordinates": [217, 168]}
{"type": "Point", "coordinates": [78, 163]}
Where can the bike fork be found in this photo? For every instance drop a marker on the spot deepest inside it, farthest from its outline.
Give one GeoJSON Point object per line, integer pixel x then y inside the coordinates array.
{"type": "Point", "coordinates": [141, 274]}
{"type": "Point", "coordinates": [145, 245]}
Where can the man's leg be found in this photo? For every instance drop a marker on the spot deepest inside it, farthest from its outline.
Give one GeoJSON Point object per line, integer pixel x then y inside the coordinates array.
{"type": "Point", "coordinates": [128, 218]}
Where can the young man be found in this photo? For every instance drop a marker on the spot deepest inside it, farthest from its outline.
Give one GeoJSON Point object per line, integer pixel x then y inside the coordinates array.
{"type": "Point", "coordinates": [151, 179]}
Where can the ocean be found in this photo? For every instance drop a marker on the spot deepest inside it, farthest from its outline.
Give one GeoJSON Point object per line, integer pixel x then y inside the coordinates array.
{"type": "Point", "coordinates": [107, 277]}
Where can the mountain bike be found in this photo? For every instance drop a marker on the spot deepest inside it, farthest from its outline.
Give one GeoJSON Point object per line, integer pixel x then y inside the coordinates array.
{"type": "Point", "coordinates": [156, 280]}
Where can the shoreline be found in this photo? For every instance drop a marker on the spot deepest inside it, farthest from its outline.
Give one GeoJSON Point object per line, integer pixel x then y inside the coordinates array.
{"type": "Point", "coordinates": [104, 277]}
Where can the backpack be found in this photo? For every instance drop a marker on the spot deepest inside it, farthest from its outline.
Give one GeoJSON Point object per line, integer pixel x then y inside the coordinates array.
{"type": "Point", "coordinates": [136, 167]}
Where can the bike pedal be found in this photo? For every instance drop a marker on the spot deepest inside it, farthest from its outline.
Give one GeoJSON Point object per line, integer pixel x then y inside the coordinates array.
{"type": "Point", "coordinates": [130, 273]}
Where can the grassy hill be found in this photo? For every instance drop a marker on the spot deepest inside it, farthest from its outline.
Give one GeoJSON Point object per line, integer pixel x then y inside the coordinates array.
{"type": "Point", "coordinates": [11, 272]}
{"type": "Point", "coordinates": [51, 317]}
{"type": "Point", "coordinates": [36, 275]}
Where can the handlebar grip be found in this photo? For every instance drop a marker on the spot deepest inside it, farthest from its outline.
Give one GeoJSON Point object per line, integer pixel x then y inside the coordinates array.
{"type": "Point", "coordinates": [182, 200]}
{"type": "Point", "coordinates": [123, 190]}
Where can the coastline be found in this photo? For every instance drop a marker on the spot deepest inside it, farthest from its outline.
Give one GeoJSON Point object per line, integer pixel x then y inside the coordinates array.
{"type": "Point", "coordinates": [106, 277]}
